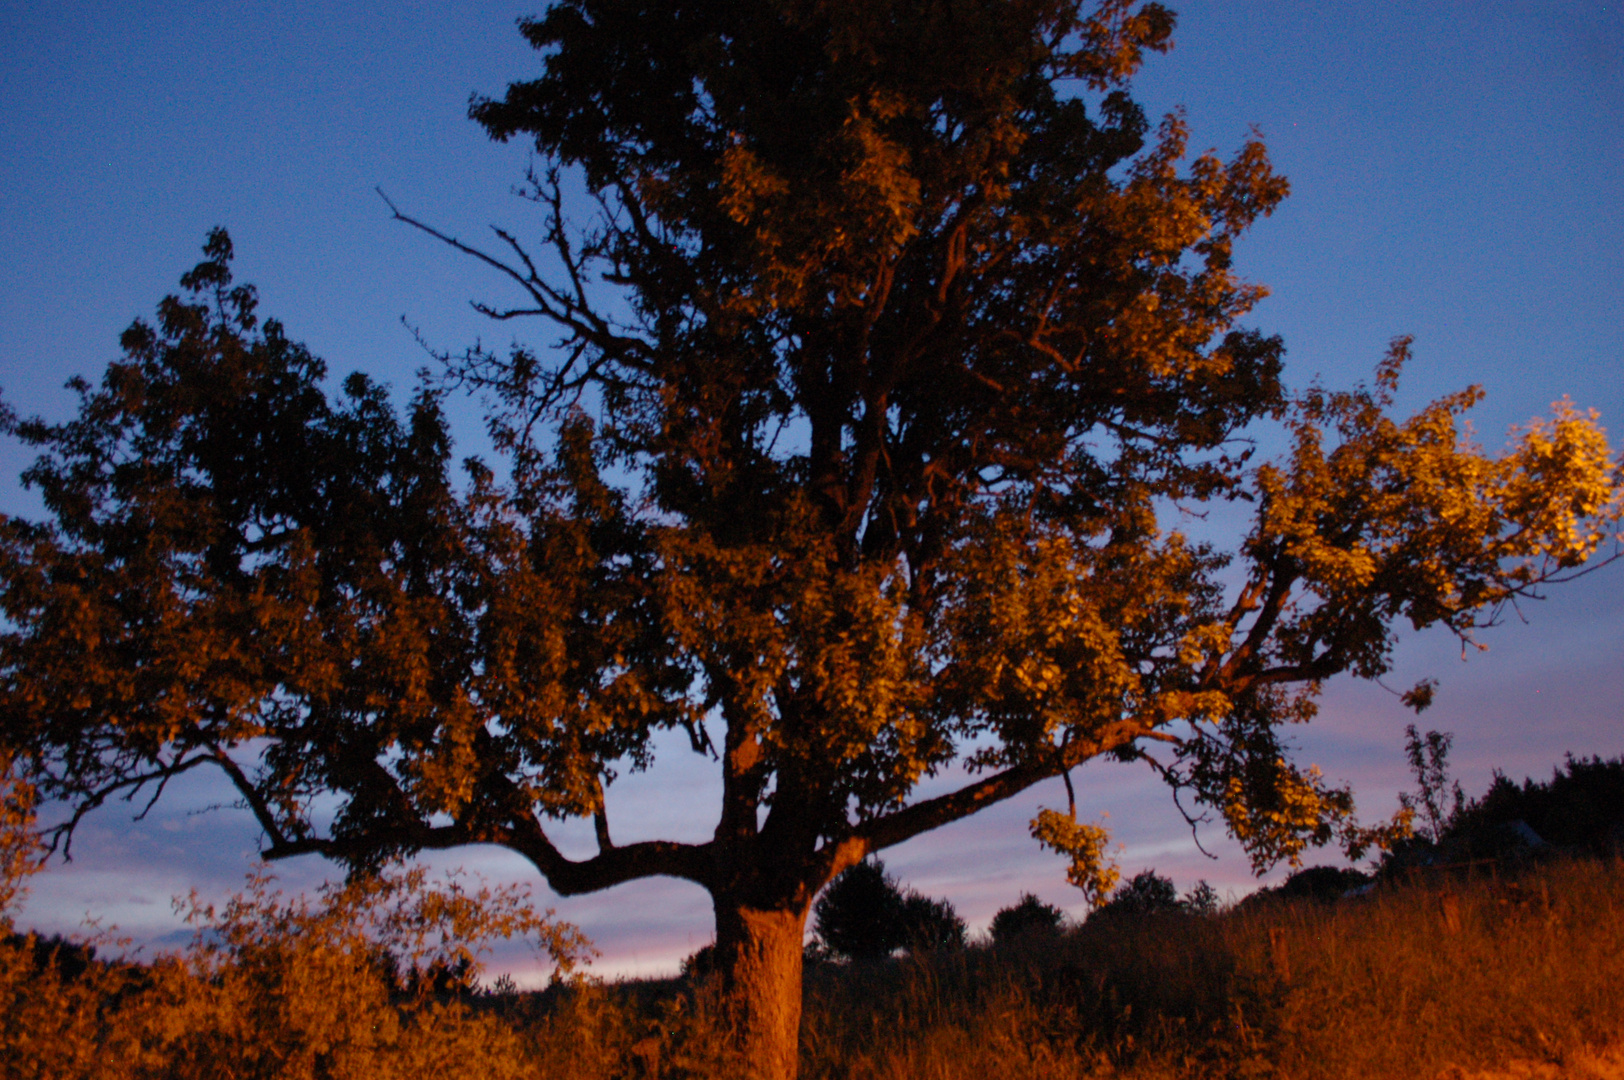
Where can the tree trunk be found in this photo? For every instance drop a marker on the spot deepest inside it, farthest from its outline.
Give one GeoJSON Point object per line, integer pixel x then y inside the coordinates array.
{"type": "Point", "coordinates": [759, 955]}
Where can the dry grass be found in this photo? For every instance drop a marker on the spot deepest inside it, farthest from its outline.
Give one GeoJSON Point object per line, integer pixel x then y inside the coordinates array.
{"type": "Point", "coordinates": [1461, 977]}
{"type": "Point", "coordinates": [1452, 979]}
{"type": "Point", "coordinates": [1465, 981]}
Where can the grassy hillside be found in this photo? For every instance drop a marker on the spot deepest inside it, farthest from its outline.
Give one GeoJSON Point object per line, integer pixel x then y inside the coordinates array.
{"type": "Point", "coordinates": [1476, 979]}
{"type": "Point", "coordinates": [1413, 982]}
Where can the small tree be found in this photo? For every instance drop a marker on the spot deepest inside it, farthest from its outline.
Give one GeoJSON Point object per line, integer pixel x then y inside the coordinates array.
{"type": "Point", "coordinates": [1146, 893]}
{"type": "Point", "coordinates": [1429, 761]}
{"type": "Point", "coordinates": [859, 916]}
{"type": "Point", "coordinates": [929, 924]}
{"type": "Point", "coordinates": [1202, 899]}
{"type": "Point", "coordinates": [1029, 917]}
{"type": "Point", "coordinates": [865, 914]}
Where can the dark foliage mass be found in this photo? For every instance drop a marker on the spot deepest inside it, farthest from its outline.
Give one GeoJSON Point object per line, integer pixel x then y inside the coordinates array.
{"type": "Point", "coordinates": [1146, 893]}
{"type": "Point", "coordinates": [1580, 809]}
{"type": "Point", "coordinates": [67, 958]}
{"type": "Point", "coordinates": [866, 915]}
{"type": "Point", "coordinates": [1325, 884]}
{"type": "Point", "coordinates": [1028, 918]}
{"type": "Point", "coordinates": [1321, 883]}
{"type": "Point", "coordinates": [930, 924]}
{"type": "Point", "coordinates": [1578, 812]}
{"type": "Point", "coordinates": [859, 914]}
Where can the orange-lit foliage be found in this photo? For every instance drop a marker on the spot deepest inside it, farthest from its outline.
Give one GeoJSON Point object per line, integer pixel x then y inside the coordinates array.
{"type": "Point", "coordinates": [287, 989]}
{"type": "Point", "coordinates": [20, 848]}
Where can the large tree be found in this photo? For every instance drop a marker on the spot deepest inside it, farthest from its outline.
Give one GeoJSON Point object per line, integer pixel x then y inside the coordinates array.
{"type": "Point", "coordinates": [887, 333]}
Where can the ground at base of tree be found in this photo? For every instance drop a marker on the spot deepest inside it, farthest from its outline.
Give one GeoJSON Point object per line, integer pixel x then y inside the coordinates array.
{"type": "Point", "coordinates": [1487, 980]}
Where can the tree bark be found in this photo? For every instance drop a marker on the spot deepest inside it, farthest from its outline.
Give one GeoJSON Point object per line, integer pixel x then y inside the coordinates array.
{"type": "Point", "coordinates": [758, 952]}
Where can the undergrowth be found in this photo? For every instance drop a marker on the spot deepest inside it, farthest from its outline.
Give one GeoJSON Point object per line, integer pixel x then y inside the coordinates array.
{"type": "Point", "coordinates": [1436, 979]}
{"type": "Point", "coordinates": [1451, 979]}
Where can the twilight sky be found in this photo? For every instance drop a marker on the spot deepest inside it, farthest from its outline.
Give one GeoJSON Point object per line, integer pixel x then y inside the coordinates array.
{"type": "Point", "coordinates": [1457, 174]}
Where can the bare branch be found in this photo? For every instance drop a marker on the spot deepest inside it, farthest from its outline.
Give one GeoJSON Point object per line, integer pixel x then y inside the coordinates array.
{"type": "Point", "coordinates": [130, 785]}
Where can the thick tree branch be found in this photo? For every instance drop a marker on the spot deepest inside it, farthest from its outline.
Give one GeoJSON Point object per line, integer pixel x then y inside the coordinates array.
{"type": "Point", "coordinates": [652, 858]}
{"type": "Point", "coordinates": [900, 825]}
{"type": "Point", "coordinates": [922, 817]}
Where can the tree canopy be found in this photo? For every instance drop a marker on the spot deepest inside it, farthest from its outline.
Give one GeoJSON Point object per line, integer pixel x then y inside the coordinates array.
{"type": "Point", "coordinates": [888, 335]}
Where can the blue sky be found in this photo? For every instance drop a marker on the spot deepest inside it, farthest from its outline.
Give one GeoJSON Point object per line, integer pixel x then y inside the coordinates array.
{"type": "Point", "coordinates": [1457, 174]}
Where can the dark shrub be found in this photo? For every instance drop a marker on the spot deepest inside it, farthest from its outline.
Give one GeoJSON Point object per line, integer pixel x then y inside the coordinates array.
{"type": "Point", "coordinates": [1146, 893]}
{"type": "Point", "coordinates": [1030, 917]}
{"type": "Point", "coordinates": [700, 963]}
{"type": "Point", "coordinates": [859, 915]}
{"type": "Point", "coordinates": [1321, 883]}
{"type": "Point", "coordinates": [1201, 900]}
{"type": "Point", "coordinates": [865, 915]}
{"type": "Point", "coordinates": [930, 924]}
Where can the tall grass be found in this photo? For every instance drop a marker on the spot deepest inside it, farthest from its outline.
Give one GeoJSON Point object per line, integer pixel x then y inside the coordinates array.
{"type": "Point", "coordinates": [1414, 982]}
{"type": "Point", "coordinates": [1477, 979]}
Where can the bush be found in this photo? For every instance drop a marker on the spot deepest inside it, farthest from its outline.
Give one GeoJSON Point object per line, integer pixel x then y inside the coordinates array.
{"type": "Point", "coordinates": [374, 982]}
{"type": "Point", "coordinates": [1029, 918]}
{"type": "Point", "coordinates": [930, 924]}
{"type": "Point", "coordinates": [1321, 883]}
{"type": "Point", "coordinates": [20, 849]}
{"type": "Point", "coordinates": [865, 915]}
{"type": "Point", "coordinates": [1146, 893]}
{"type": "Point", "coordinates": [859, 915]}
{"type": "Point", "coordinates": [1201, 900]}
